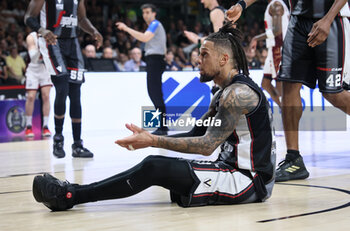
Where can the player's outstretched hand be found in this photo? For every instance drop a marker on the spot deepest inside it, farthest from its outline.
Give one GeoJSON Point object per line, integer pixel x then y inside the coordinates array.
{"type": "Point", "coordinates": [121, 26]}
{"type": "Point", "coordinates": [139, 139]}
{"type": "Point", "coordinates": [233, 13]}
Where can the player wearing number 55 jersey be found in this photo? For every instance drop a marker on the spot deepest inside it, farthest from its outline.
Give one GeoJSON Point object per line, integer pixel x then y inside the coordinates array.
{"type": "Point", "coordinates": [56, 21]}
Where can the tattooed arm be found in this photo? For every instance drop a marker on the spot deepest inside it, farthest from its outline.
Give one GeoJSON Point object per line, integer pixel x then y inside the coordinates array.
{"type": "Point", "coordinates": [236, 100]}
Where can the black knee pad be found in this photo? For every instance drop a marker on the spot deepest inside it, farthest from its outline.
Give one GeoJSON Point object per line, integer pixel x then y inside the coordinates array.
{"type": "Point", "coordinates": [150, 163]}
{"type": "Point", "coordinates": [74, 97]}
{"type": "Point", "coordinates": [60, 79]}
{"type": "Point", "coordinates": [61, 85]}
{"type": "Point", "coordinates": [159, 166]}
{"type": "Point", "coordinates": [169, 172]}
{"type": "Point", "coordinates": [62, 89]}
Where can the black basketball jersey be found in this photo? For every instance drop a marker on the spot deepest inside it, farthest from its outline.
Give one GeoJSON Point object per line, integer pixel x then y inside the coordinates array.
{"type": "Point", "coordinates": [310, 8]}
{"type": "Point", "coordinates": [60, 17]}
{"type": "Point", "coordinates": [251, 145]}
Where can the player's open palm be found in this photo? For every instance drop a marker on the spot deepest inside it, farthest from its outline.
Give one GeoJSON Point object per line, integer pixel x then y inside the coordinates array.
{"type": "Point", "coordinates": [139, 139]}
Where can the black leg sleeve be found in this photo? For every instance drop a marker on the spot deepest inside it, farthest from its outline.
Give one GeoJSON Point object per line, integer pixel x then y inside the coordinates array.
{"type": "Point", "coordinates": [62, 90]}
{"type": "Point", "coordinates": [171, 173]}
{"type": "Point", "coordinates": [75, 102]}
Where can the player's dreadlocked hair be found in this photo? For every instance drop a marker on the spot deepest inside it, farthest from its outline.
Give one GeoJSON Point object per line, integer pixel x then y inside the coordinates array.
{"type": "Point", "coordinates": [230, 38]}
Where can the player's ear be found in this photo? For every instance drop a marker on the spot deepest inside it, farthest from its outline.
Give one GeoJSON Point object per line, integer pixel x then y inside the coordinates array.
{"type": "Point", "coordinates": [224, 59]}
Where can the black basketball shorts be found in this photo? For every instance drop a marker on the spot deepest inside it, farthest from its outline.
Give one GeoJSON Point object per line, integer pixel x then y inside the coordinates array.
{"type": "Point", "coordinates": [64, 58]}
{"type": "Point", "coordinates": [218, 183]}
{"type": "Point", "coordinates": [322, 64]}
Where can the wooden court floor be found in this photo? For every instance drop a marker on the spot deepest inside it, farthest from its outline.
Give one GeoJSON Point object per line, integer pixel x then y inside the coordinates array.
{"type": "Point", "coordinates": [321, 202]}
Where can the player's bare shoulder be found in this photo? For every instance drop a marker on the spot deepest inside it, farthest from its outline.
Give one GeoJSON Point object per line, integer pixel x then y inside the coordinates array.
{"type": "Point", "coordinates": [240, 97]}
{"type": "Point", "coordinates": [276, 9]}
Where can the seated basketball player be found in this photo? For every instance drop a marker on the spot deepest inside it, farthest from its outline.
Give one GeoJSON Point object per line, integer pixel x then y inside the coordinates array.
{"type": "Point", "coordinates": [244, 170]}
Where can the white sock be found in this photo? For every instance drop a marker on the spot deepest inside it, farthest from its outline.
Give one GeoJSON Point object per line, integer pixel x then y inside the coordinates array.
{"type": "Point", "coordinates": [28, 121]}
{"type": "Point", "coordinates": [46, 121]}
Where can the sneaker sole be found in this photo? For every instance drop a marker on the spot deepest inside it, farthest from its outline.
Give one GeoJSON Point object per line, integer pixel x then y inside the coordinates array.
{"type": "Point", "coordinates": [36, 189]}
{"type": "Point", "coordinates": [59, 155]}
{"type": "Point", "coordinates": [78, 156]}
{"type": "Point", "coordinates": [301, 176]}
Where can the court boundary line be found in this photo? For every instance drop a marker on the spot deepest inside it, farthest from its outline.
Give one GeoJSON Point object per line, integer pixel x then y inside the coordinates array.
{"type": "Point", "coordinates": [311, 213]}
{"type": "Point", "coordinates": [260, 221]}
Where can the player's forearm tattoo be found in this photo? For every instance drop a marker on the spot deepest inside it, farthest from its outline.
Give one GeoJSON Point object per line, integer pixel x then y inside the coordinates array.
{"type": "Point", "coordinates": [236, 100]}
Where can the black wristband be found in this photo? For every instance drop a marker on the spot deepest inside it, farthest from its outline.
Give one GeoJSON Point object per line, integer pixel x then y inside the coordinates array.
{"type": "Point", "coordinates": [242, 3]}
{"type": "Point", "coordinates": [33, 23]}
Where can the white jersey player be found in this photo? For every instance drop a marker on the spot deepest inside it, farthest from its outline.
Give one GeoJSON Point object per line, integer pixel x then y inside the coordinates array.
{"type": "Point", "coordinates": [37, 77]}
{"type": "Point", "coordinates": [276, 24]}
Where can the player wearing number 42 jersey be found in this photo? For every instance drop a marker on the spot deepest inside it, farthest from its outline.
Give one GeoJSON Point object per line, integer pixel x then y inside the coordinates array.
{"type": "Point", "coordinates": [56, 21]}
{"type": "Point", "coordinates": [313, 51]}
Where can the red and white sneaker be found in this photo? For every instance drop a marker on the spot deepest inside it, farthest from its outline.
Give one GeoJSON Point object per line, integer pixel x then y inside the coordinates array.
{"type": "Point", "coordinates": [29, 132]}
{"type": "Point", "coordinates": [46, 132]}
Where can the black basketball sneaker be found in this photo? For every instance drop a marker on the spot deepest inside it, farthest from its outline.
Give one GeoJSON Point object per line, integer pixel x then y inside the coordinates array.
{"type": "Point", "coordinates": [55, 194]}
{"type": "Point", "coordinates": [78, 150]}
{"type": "Point", "coordinates": [291, 170]}
{"type": "Point", "coordinates": [58, 143]}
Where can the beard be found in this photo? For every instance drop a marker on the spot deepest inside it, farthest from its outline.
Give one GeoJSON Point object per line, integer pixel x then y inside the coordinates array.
{"type": "Point", "coordinates": [207, 77]}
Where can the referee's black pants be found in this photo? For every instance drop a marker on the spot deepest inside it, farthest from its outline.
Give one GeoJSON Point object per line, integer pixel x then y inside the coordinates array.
{"type": "Point", "coordinates": [155, 68]}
